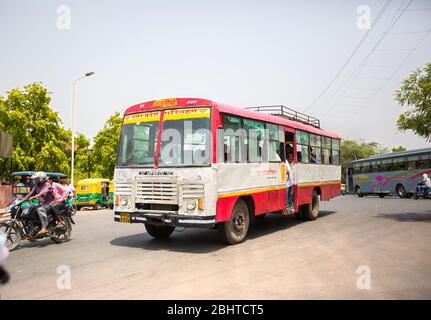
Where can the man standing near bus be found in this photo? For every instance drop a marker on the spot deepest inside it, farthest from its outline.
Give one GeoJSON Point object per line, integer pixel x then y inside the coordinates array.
{"type": "Point", "coordinates": [290, 181]}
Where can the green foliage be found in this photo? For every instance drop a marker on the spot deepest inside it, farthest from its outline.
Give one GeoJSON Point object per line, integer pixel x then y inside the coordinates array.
{"type": "Point", "coordinates": [81, 155]}
{"type": "Point", "coordinates": [353, 150]}
{"type": "Point", "coordinates": [105, 148]}
{"type": "Point", "coordinates": [415, 93]}
{"type": "Point", "coordinates": [38, 135]}
{"type": "Point", "coordinates": [39, 140]}
{"type": "Point", "coordinates": [399, 149]}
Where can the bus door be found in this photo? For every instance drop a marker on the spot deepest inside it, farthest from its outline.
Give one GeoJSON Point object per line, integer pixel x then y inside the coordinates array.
{"type": "Point", "coordinates": [290, 147]}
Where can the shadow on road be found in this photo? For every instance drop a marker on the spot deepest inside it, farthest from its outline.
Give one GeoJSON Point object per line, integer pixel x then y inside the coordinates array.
{"type": "Point", "coordinates": [407, 216]}
{"type": "Point", "coordinates": [38, 244]}
{"type": "Point", "coordinates": [206, 240]}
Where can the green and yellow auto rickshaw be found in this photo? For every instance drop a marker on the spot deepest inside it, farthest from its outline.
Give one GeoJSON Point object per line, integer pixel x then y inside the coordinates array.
{"type": "Point", "coordinates": [92, 193]}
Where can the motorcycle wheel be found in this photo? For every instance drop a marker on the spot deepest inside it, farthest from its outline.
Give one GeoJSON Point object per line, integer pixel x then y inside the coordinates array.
{"type": "Point", "coordinates": [73, 210]}
{"type": "Point", "coordinates": [62, 234]}
{"type": "Point", "coordinates": [13, 236]}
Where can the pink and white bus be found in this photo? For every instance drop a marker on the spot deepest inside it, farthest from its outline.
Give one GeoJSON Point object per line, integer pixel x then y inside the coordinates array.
{"type": "Point", "coordinates": [187, 162]}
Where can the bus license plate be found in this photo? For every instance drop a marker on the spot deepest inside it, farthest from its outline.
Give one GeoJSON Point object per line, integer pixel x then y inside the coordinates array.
{"type": "Point", "coordinates": [125, 217]}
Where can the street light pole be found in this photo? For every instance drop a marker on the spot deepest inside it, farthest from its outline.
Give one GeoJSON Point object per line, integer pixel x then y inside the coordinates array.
{"type": "Point", "coordinates": [73, 121]}
{"type": "Point", "coordinates": [89, 150]}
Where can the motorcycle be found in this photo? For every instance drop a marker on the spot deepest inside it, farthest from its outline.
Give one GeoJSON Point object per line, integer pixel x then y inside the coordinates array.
{"type": "Point", "coordinates": [422, 191]}
{"type": "Point", "coordinates": [24, 224]}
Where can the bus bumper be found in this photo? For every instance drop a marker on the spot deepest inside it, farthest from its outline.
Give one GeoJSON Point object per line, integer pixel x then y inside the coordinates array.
{"type": "Point", "coordinates": [174, 220]}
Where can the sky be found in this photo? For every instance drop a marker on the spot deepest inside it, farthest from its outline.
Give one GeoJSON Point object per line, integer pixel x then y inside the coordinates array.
{"type": "Point", "coordinates": [242, 53]}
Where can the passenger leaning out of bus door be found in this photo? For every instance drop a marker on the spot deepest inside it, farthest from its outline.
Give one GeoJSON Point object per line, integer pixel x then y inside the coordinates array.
{"type": "Point", "coordinates": [290, 180]}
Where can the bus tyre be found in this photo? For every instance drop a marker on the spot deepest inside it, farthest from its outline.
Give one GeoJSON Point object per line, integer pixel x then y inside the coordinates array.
{"type": "Point", "coordinates": [235, 230]}
{"type": "Point", "coordinates": [401, 191]}
{"type": "Point", "coordinates": [298, 215]}
{"type": "Point", "coordinates": [381, 195]}
{"type": "Point", "coordinates": [358, 192]}
{"type": "Point", "coordinates": [311, 211]}
{"type": "Point", "coordinates": [159, 232]}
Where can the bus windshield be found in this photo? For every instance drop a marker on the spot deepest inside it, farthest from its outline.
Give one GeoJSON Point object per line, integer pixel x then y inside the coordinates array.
{"type": "Point", "coordinates": [138, 139]}
{"type": "Point", "coordinates": [185, 138]}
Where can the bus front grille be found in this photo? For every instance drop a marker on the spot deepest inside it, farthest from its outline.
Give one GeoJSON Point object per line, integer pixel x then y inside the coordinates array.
{"type": "Point", "coordinates": [156, 190]}
{"type": "Point", "coordinates": [123, 189]}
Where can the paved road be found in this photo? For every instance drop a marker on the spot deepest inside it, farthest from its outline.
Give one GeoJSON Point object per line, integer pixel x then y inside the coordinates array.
{"type": "Point", "coordinates": [282, 259]}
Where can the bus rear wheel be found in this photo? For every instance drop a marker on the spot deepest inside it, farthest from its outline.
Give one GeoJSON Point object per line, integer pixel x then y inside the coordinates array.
{"type": "Point", "coordinates": [358, 192]}
{"type": "Point", "coordinates": [159, 232]}
{"type": "Point", "coordinates": [401, 191]}
{"type": "Point", "coordinates": [311, 211]}
{"type": "Point", "coordinates": [235, 230]}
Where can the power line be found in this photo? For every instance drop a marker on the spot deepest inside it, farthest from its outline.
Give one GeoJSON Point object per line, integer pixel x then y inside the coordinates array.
{"type": "Point", "coordinates": [394, 20]}
{"type": "Point", "coordinates": [382, 10]}
{"type": "Point", "coordinates": [393, 74]}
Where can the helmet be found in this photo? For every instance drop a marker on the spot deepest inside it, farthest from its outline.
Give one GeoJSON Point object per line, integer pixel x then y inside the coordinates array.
{"type": "Point", "coordinates": [39, 175]}
{"type": "Point", "coordinates": [425, 176]}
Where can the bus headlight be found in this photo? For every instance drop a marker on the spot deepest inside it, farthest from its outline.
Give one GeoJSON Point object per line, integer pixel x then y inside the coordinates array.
{"type": "Point", "coordinates": [124, 201]}
{"type": "Point", "coordinates": [191, 204]}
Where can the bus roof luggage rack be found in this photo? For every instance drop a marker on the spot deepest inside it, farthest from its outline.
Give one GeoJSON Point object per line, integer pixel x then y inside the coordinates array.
{"type": "Point", "coordinates": [285, 112]}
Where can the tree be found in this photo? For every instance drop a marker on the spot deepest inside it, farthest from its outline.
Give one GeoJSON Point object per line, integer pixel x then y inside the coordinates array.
{"type": "Point", "coordinates": [415, 93]}
{"type": "Point", "coordinates": [39, 140]}
{"type": "Point", "coordinates": [399, 149]}
{"type": "Point", "coordinates": [81, 155]}
{"type": "Point", "coordinates": [354, 150]}
{"type": "Point", "coordinates": [105, 148]}
{"type": "Point", "coordinates": [38, 135]}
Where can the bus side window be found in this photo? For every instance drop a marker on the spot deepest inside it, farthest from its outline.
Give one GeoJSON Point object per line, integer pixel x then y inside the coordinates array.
{"type": "Point", "coordinates": [276, 152]}
{"type": "Point", "coordinates": [232, 140]}
{"type": "Point", "coordinates": [302, 146]}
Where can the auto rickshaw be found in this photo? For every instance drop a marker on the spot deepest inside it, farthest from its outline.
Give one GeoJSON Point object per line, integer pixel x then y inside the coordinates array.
{"type": "Point", "coordinates": [92, 193]}
{"type": "Point", "coordinates": [22, 183]}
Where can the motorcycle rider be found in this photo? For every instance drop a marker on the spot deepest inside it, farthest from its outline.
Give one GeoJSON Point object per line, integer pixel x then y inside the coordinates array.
{"type": "Point", "coordinates": [42, 190]}
{"type": "Point", "coordinates": [61, 193]}
{"type": "Point", "coordinates": [425, 184]}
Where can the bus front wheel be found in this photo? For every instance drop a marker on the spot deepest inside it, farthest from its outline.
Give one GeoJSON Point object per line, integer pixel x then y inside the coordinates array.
{"type": "Point", "coordinates": [311, 211]}
{"type": "Point", "coordinates": [235, 230]}
{"type": "Point", "coordinates": [159, 232]}
{"type": "Point", "coordinates": [358, 192]}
